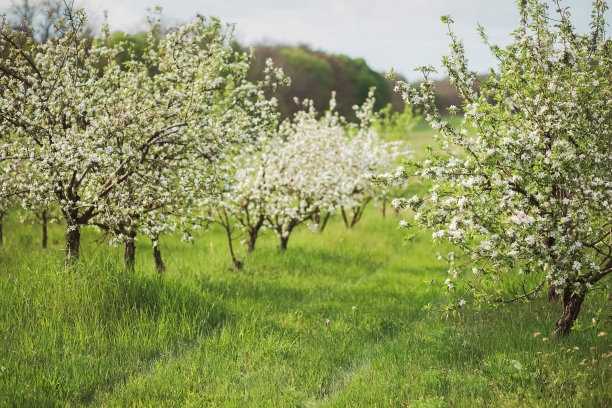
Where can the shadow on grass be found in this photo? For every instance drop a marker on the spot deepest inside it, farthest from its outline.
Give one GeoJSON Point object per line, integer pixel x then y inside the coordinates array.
{"type": "Point", "coordinates": [93, 329]}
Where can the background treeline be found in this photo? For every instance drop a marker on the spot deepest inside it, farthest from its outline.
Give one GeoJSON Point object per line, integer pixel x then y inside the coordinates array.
{"type": "Point", "coordinates": [315, 74]}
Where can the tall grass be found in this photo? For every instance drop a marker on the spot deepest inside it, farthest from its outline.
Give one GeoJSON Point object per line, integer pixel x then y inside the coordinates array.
{"type": "Point", "coordinates": [337, 320]}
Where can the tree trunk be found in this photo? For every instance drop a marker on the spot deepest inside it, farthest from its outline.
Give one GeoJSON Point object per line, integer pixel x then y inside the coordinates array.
{"type": "Point", "coordinates": [571, 307]}
{"type": "Point", "coordinates": [237, 262]}
{"type": "Point", "coordinates": [344, 218]}
{"type": "Point", "coordinates": [252, 240]}
{"type": "Point", "coordinates": [356, 216]}
{"type": "Point", "coordinates": [159, 262]}
{"type": "Point", "coordinates": [254, 234]}
{"type": "Point", "coordinates": [283, 242]}
{"type": "Point", "coordinates": [324, 224]}
{"type": "Point", "coordinates": [129, 252]}
{"type": "Point", "coordinates": [552, 294]}
{"type": "Point", "coordinates": [384, 209]}
{"type": "Point", "coordinates": [43, 220]}
{"type": "Point", "coordinates": [1, 233]}
{"type": "Point", "coordinates": [73, 243]}
{"type": "Point", "coordinates": [228, 231]}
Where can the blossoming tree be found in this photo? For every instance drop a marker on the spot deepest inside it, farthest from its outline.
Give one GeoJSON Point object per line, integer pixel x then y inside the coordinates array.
{"type": "Point", "coordinates": [307, 166]}
{"type": "Point", "coordinates": [530, 192]}
{"type": "Point", "coordinates": [122, 146]}
{"type": "Point", "coordinates": [364, 154]}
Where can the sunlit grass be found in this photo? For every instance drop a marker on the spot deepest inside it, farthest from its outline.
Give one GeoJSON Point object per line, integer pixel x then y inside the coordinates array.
{"type": "Point", "coordinates": [336, 320]}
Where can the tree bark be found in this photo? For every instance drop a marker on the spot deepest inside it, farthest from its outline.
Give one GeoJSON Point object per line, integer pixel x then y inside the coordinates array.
{"type": "Point", "coordinates": [252, 240]}
{"type": "Point", "coordinates": [43, 220]}
{"type": "Point", "coordinates": [344, 218]}
{"type": "Point", "coordinates": [283, 242]}
{"type": "Point", "coordinates": [1, 231]}
{"type": "Point", "coordinates": [552, 294]}
{"type": "Point", "coordinates": [571, 308]}
{"type": "Point", "coordinates": [129, 252]}
{"type": "Point", "coordinates": [73, 243]}
{"type": "Point", "coordinates": [384, 209]}
{"type": "Point", "coordinates": [237, 262]}
{"type": "Point", "coordinates": [324, 224]}
{"type": "Point", "coordinates": [159, 262]}
{"type": "Point", "coordinates": [228, 231]}
{"type": "Point", "coordinates": [254, 234]}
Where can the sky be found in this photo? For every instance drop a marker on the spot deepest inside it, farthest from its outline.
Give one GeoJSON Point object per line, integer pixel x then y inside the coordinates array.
{"type": "Point", "coordinates": [398, 34]}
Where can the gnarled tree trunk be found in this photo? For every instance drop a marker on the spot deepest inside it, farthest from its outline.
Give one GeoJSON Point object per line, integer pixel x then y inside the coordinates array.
{"type": "Point", "coordinates": [254, 234]}
{"type": "Point", "coordinates": [572, 302]}
{"type": "Point", "coordinates": [252, 240]}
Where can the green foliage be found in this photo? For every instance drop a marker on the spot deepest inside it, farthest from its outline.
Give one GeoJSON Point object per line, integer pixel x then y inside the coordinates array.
{"type": "Point", "coordinates": [361, 78]}
{"type": "Point", "coordinates": [315, 74]}
{"type": "Point", "coordinates": [393, 125]}
{"type": "Point", "coordinates": [134, 45]}
{"type": "Point", "coordinates": [303, 64]}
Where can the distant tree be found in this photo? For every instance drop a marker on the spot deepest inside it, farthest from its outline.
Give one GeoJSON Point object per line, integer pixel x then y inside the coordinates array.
{"type": "Point", "coordinates": [36, 18]}
{"type": "Point", "coordinates": [133, 47]}
{"type": "Point", "coordinates": [315, 74]}
{"type": "Point", "coordinates": [530, 194]}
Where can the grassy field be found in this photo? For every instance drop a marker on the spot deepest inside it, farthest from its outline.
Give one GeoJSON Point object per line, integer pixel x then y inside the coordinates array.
{"type": "Point", "coordinates": [337, 320]}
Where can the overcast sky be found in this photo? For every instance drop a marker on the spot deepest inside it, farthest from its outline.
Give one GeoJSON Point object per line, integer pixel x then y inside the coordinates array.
{"type": "Point", "coordinates": [398, 34]}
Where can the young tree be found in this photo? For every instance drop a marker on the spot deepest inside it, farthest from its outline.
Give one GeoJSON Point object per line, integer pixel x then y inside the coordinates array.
{"type": "Point", "coordinates": [531, 191]}
{"type": "Point", "coordinates": [365, 153]}
{"type": "Point", "coordinates": [242, 203]}
{"type": "Point", "coordinates": [303, 174]}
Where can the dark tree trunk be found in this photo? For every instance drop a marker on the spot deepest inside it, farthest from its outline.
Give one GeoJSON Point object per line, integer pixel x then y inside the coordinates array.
{"type": "Point", "coordinates": [552, 295]}
{"type": "Point", "coordinates": [43, 221]}
{"type": "Point", "coordinates": [254, 234]}
{"type": "Point", "coordinates": [129, 253]}
{"type": "Point", "coordinates": [283, 242]}
{"type": "Point", "coordinates": [237, 262]}
{"type": "Point", "coordinates": [344, 217]}
{"type": "Point", "coordinates": [1, 232]}
{"type": "Point", "coordinates": [73, 243]}
{"type": "Point", "coordinates": [228, 231]}
{"type": "Point", "coordinates": [324, 224]}
{"type": "Point", "coordinates": [159, 262]}
{"type": "Point", "coordinates": [252, 240]}
{"type": "Point", "coordinates": [571, 308]}
{"type": "Point", "coordinates": [384, 208]}
{"type": "Point", "coordinates": [356, 216]}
